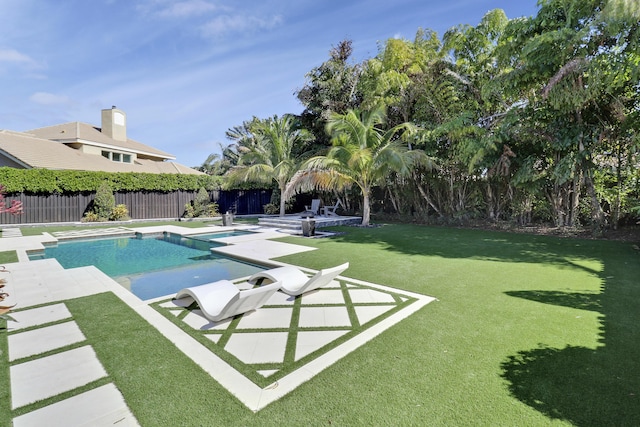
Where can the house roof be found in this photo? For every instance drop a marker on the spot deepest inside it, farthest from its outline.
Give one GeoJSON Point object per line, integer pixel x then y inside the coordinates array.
{"type": "Point", "coordinates": [31, 151]}
{"type": "Point", "coordinates": [88, 134]}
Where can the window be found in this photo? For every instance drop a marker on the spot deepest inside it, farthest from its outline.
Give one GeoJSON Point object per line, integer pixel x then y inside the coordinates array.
{"type": "Point", "coordinates": [117, 157]}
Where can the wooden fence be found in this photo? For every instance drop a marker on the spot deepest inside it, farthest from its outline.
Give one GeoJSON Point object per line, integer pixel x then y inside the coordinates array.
{"type": "Point", "coordinates": [142, 205]}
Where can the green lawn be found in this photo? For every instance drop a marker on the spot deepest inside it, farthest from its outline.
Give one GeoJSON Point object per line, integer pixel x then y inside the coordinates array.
{"type": "Point", "coordinates": [527, 331]}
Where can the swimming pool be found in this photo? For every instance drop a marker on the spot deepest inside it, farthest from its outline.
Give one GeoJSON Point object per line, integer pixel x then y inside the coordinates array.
{"type": "Point", "coordinates": [221, 234]}
{"type": "Point", "coordinates": [151, 267]}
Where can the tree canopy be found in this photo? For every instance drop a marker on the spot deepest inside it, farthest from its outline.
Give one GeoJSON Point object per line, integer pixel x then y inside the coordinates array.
{"type": "Point", "coordinates": [528, 119]}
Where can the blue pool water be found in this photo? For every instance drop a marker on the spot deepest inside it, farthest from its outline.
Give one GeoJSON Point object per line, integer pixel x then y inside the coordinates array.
{"type": "Point", "coordinates": [151, 267]}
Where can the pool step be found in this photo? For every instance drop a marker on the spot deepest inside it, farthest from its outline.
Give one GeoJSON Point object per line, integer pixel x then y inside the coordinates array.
{"type": "Point", "coordinates": [294, 223]}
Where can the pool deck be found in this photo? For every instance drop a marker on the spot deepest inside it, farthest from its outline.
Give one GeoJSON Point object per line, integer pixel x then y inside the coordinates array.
{"type": "Point", "coordinates": [41, 368]}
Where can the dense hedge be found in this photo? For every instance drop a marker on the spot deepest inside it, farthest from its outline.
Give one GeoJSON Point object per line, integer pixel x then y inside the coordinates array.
{"type": "Point", "coordinates": [45, 181]}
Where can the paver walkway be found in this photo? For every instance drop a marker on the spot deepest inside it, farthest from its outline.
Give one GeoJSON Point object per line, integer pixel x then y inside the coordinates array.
{"type": "Point", "coordinates": [56, 378]}
{"type": "Point", "coordinates": [11, 232]}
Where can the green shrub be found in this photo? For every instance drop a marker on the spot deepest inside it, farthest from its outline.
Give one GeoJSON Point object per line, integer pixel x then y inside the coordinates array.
{"type": "Point", "coordinates": [189, 212]}
{"type": "Point", "coordinates": [120, 213]}
{"type": "Point", "coordinates": [212, 210]}
{"type": "Point", "coordinates": [201, 206]}
{"type": "Point", "coordinates": [271, 209]}
{"type": "Point", "coordinates": [90, 217]}
{"type": "Point", "coordinates": [201, 202]}
{"type": "Point", "coordinates": [45, 181]}
{"type": "Point", "coordinates": [104, 202]}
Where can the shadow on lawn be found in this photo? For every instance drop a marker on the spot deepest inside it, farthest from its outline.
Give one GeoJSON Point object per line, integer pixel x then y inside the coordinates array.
{"type": "Point", "coordinates": [582, 385]}
{"type": "Point", "coordinates": [471, 243]}
{"type": "Point", "coordinates": [578, 300]}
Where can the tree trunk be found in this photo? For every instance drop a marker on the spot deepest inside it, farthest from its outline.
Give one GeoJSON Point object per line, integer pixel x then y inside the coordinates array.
{"type": "Point", "coordinates": [556, 202]}
{"type": "Point", "coordinates": [366, 208]}
{"type": "Point", "coordinates": [574, 200]}
{"type": "Point", "coordinates": [597, 214]}
{"type": "Point", "coordinates": [394, 200]}
{"type": "Point", "coordinates": [490, 205]}
{"type": "Point", "coordinates": [282, 201]}
{"type": "Point", "coordinates": [426, 197]}
{"type": "Point", "coordinates": [617, 205]}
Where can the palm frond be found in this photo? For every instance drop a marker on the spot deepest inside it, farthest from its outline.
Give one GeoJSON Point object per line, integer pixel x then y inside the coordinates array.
{"type": "Point", "coordinates": [255, 173]}
{"type": "Point", "coordinates": [316, 179]}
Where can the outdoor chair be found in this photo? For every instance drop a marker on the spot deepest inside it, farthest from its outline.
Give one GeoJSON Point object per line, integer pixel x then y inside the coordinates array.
{"type": "Point", "coordinates": [331, 210]}
{"type": "Point", "coordinates": [315, 206]}
{"type": "Point", "coordinates": [222, 299]}
{"type": "Point", "coordinates": [294, 282]}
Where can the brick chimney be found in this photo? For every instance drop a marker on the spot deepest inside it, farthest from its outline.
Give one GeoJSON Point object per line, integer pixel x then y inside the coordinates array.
{"type": "Point", "coordinates": [114, 123]}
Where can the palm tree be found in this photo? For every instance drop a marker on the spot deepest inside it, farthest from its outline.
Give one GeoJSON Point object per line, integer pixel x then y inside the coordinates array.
{"type": "Point", "coordinates": [362, 154]}
{"type": "Point", "coordinates": [267, 150]}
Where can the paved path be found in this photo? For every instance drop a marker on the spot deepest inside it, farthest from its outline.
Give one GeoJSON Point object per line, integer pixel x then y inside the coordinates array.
{"type": "Point", "coordinates": [11, 232]}
{"type": "Point", "coordinates": [48, 355]}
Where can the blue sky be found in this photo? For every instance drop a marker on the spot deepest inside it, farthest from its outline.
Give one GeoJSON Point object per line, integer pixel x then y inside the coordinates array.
{"type": "Point", "coordinates": [185, 71]}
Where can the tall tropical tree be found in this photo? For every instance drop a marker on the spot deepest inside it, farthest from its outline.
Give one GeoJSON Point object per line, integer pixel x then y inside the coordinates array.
{"type": "Point", "coordinates": [578, 62]}
{"type": "Point", "coordinates": [269, 151]}
{"type": "Point", "coordinates": [219, 164]}
{"type": "Point", "coordinates": [478, 150]}
{"type": "Point", "coordinates": [362, 154]}
{"type": "Point", "coordinates": [331, 87]}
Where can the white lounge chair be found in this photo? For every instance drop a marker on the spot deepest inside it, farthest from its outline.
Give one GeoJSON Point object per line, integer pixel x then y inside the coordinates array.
{"type": "Point", "coordinates": [331, 210]}
{"type": "Point", "coordinates": [315, 206]}
{"type": "Point", "coordinates": [294, 282]}
{"type": "Point", "coordinates": [222, 299]}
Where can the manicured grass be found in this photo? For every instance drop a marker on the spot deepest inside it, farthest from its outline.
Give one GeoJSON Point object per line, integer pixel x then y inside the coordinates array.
{"type": "Point", "coordinates": [527, 330]}
{"type": "Point", "coordinates": [7, 257]}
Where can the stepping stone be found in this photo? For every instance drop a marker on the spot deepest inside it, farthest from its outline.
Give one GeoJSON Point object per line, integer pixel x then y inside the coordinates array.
{"type": "Point", "coordinates": [49, 376]}
{"type": "Point", "coordinates": [266, 318]}
{"type": "Point", "coordinates": [40, 340]}
{"type": "Point", "coordinates": [308, 342]}
{"type": "Point", "coordinates": [318, 317]}
{"type": "Point", "coordinates": [280, 298]}
{"type": "Point", "coordinates": [268, 347]}
{"type": "Point", "coordinates": [102, 406]}
{"type": "Point", "coordinates": [11, 232]}
{"type": "Point", "coordinates": [38, 316]}
{"type": "Point", "coordinates": [213, 337]}
{"type": "Point", "coordinates": [367, 313]}
{"type": "Point", "coordinates": [323, 296]}
{"type": "Point", "coordinates": [370, 296]}
{"type": "Point", "coordinates": [196, 320]}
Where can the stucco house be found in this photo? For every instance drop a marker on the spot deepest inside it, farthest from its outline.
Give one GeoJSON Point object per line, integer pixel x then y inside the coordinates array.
{"type": "Point", "coordinates": [81, 146]}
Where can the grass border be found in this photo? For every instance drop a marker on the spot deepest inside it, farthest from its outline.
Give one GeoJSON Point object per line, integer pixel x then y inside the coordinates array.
{"type": "Point", "coordinates": [289, 364]}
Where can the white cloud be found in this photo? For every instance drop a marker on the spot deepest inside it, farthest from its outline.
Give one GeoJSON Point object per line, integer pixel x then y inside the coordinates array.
{"type": "Point", "coordinates": [13, 56]}
{"type": "Point", "coordinates": [45, 98]}
{"type": "Point", "coordinates": [239, 23]}
{"type": "Point", "coordinates": [179, 9]}
{"type": "Point", "coordinates": [211, 17]}
{"type": "Point", "coordinates": [187, 8]}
